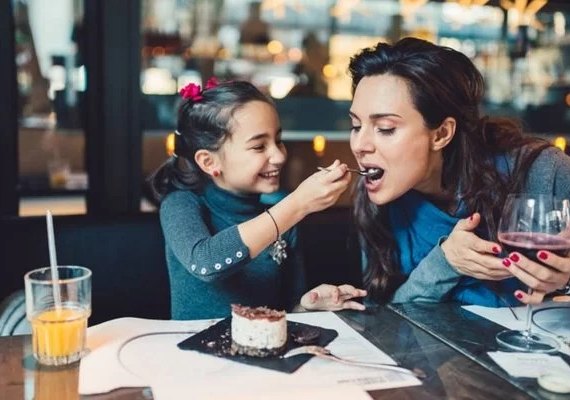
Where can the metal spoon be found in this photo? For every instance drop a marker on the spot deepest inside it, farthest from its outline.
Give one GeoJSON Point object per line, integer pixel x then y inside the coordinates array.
{"type": "Point", "coordinates": [323, 352]}
{"type": "Point", "coordinates": [372, 172]}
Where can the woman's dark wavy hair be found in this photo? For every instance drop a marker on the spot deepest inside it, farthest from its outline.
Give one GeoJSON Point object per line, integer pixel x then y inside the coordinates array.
{"type": "Point", "coordinates": [442, 83]}
{"type": "Point", "coordinates": [202, 124]}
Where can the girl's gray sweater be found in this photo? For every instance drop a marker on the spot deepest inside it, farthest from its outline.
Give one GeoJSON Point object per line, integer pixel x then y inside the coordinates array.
{"type": "Point", "coordinates": [209, 265]}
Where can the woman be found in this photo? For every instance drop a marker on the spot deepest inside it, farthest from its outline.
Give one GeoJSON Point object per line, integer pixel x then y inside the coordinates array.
{"type": "Point", "coordinates": [428, 218]}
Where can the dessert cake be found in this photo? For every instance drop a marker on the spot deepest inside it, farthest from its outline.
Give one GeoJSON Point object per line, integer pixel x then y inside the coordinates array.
{"type": "Point", "coordinates": [258, 331]}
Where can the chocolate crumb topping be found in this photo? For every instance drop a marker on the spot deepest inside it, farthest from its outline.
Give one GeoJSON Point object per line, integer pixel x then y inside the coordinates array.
{"type": "Point", "coordinates": [258, 312]}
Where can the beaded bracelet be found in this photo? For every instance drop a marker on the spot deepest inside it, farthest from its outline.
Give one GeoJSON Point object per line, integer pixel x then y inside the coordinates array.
{"type": "Point", "coordinates": [277, 251]}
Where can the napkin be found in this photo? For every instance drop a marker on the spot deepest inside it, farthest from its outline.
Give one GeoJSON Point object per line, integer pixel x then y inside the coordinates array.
{"type": "Point", "coordinates": [331, 392]}
{"type": "Point", "coordinates": [99, 371]}
{"type": "Point", "coordinates": [530, 365]}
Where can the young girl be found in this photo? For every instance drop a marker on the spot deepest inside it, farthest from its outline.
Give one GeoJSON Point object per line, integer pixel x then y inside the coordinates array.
{"type": "Point", "coordinates": [428, 217]}
{"type": "Point", "coordinates": [223, 243]}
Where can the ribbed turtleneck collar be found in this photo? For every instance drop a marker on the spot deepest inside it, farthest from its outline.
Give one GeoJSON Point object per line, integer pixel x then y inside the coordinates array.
{"type": "Point", "coordinates": [231, 203]}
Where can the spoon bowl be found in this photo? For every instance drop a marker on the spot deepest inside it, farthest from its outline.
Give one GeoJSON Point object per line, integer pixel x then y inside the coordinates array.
{"type": "Point", "coordinates": [370, 173]}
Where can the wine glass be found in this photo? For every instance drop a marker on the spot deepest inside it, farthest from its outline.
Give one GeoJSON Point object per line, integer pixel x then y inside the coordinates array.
{"type": "Point", "coordinates": [529, 223]}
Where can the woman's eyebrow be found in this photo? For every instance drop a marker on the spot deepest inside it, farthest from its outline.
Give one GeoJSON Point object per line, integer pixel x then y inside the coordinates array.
{"type": "Point", "coordinates": [375, 115]}
{"type": "Point", "coordinates": [383, 115]}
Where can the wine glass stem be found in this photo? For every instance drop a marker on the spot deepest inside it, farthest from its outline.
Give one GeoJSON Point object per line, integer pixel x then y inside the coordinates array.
{"type": "Point", "coordinates": [528, 316]}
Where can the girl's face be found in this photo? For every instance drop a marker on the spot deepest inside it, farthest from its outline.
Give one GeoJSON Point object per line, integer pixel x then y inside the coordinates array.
{"type": "Point", "coordinates": [252, 157]}
{"type": "Point", "coordinates": [389, 133]}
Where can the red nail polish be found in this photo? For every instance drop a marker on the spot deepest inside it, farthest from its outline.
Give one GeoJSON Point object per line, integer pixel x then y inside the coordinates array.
{"type": "Point", "coordinates": [507, 262]}
{"type": "Point", "coordinates": [495, 250]}
{"type": "Point", "coordinates": [519, 296]}
{"type": "Point", "coordinates": [515, 257]}
{"type": "Point", "coordinates": [542, 255]}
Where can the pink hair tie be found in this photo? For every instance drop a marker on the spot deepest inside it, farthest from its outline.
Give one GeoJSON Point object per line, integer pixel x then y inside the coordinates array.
{"type": "Point", "coordinates": [212, 83]}
{"type": "Point", "coordinates": [194, 92]}
{"type": "Point", "coordinates": [191, 91]}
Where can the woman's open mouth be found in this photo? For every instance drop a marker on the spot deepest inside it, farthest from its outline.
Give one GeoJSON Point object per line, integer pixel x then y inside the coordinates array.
{"type": "Point", "coordinates": [373, 175]}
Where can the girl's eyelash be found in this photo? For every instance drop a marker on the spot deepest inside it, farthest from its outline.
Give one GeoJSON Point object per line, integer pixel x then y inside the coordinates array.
{"type": "Point", "coordinates": [355, 128]}
{"type": "Point", "coordinates": [261, 147]}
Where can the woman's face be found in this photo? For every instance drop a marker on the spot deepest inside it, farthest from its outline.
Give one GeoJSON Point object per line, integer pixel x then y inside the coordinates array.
{"type": "Point", "coordinates": [251, 159]}
{"type": "Point", "coordinates": [390, 134]}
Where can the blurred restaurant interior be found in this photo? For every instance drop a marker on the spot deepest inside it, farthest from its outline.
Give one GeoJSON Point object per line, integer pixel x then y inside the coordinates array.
{"type": "Point", "coordinates": [92, 85]}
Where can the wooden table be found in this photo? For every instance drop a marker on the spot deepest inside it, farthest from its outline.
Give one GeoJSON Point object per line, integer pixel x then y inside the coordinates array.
{"type": "Point", "coordinates": [451, 373]}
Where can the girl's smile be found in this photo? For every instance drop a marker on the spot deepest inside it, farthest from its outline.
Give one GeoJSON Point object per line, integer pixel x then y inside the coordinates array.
{"type": "Point", "coordinates": [271, 174]}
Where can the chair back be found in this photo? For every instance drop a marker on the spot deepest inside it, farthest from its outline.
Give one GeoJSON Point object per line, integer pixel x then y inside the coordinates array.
{"type": "Point", "coordinates": [13, 315]}
{"type": "Point", "coordinates": [125, 254]}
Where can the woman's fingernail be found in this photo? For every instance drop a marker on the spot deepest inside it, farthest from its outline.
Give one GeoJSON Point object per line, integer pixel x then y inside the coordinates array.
{"type": "Point", "coordinates": [515, 257]}
{"type": "Point", "coordinates": [496, 250]}
{"type": "Point", "coordinates": [519, 295]}
{"type": "Point", "coordinates": [507, 262]}
{"type": "Point", "coordinates": [542, 255]}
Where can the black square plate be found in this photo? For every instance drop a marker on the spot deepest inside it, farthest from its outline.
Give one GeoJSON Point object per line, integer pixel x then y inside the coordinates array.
{"type": "Point", "coordinates": [216, 340]}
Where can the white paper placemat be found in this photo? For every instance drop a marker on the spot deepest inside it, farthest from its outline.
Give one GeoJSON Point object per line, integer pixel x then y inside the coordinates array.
{"type": "Point", "coordinates": [132, 352]}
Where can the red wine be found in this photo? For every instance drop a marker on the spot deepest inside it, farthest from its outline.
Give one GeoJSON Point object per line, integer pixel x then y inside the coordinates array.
{"type": "Point", "coordinates": [529, 243]}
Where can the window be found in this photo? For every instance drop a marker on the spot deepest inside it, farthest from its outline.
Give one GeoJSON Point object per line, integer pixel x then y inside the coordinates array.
{"type": "Point", "coordinates": [51, 84]}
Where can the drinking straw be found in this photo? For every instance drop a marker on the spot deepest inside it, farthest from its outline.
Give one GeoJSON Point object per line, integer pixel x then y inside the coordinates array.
{"type": "Point", "coordinates": [53, 261]}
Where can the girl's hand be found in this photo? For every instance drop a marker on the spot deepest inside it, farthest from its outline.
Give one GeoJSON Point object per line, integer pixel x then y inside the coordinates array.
{"type": "Point", "coordinates": [472, 256]}
{"type": "Point", "coordinates": [322, 189]}
{"type": "Point", "coordinates": [548, 275]}
{"type": "Point", "coordinates": [333, 298]}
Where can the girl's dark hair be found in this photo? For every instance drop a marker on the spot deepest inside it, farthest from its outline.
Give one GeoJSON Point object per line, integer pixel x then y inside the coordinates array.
{"type": "Point", "coordinates": [202, 124]}
{"type": "Point", "coordinates": [442, 83]}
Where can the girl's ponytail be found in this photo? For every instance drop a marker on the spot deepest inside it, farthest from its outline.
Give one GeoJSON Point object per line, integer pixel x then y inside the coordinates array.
{"type": "Point", "coordinates": [176, 173]}
{"type": "Point", "coordinates": [159, 181]}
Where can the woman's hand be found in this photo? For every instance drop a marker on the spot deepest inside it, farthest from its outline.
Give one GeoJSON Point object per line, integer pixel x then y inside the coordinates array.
{"type": "Point", "coordinates": [535, 297]}
{"type": "Point", "coordinates": [333, 298]}
{"type": "Point", "coordinates": [552, 273]}
{"type": "Point", "coordinates": [472, 256]}
{"type": "Point", "coordinates": [322, 189]}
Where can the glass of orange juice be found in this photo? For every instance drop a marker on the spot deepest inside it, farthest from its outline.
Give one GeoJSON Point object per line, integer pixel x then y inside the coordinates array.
{"type": "Point", "coordinates": [58, 312]}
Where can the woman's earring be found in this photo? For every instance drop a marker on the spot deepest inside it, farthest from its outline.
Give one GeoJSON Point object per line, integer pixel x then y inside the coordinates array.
{"type": "Point", "coordinates": [215, 173]}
